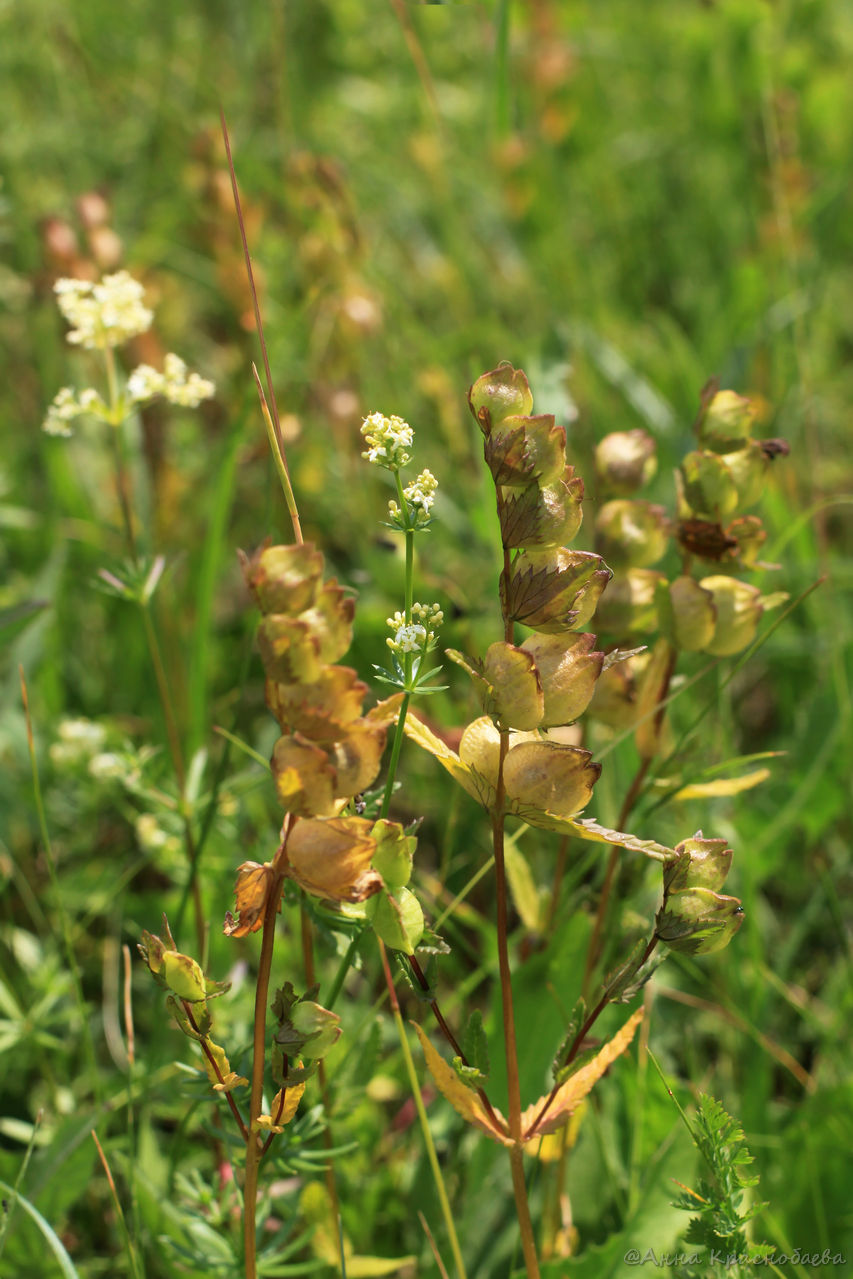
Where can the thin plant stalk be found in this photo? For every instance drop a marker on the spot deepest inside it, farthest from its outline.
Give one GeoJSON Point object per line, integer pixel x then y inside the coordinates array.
{"type": "Point", "coordinates": [133, 1259]}
{"type": "Point", "coordinates": [414, 1086]}
{"type": "Point", "coordinates": [278, 449]}
{"type": "Point", "coordinates": [254, 1147]}
{"type": "Point", "coordinates": [516, 1157]}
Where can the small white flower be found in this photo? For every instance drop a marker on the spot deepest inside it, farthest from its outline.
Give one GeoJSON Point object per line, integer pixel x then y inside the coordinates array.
{"type": "Point", "coordinates": [419, 634]}
{"type": "Point", "coordinates": [144, 384]}
{"type": "Point", "coordinates": [107, 766]}
{"type": "Point", "coordinates": [79, 740]}
{"type": "Point", "coordinates": [105, 314]}
{"type": "Point", "coordinates": [410, 639]}
{"type": "Point", "coordinates": [388, 439]}
{"type": "Point", "coordinates": [62, 411]}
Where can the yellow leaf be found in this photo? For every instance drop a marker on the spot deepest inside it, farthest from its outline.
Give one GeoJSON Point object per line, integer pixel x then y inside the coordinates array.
{"type": "Point", "coordinates": [723, 786]}
{"type": "Point", "coordinates": [465, 1102]}
{"type": "Point", "coordinates": [553, 1145]}
{"type": "Point", "coordinates": [281, 1114]}
{"type": "Point", "coordinates": [325, 1240]}
{"type": "Point", "coordinates": [573, 1091]}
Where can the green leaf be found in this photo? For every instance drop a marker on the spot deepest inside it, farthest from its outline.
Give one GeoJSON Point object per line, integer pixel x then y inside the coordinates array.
{"type": "Point", "coordinates": [397, 919]}
{"type": "Point", "coordinates": [53, 1241]}
{"type": "Point", "coordinates": [475, 1045]}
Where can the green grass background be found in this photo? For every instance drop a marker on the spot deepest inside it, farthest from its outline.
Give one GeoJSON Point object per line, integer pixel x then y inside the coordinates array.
{"type": "Point", "coordinates": [623, 199]}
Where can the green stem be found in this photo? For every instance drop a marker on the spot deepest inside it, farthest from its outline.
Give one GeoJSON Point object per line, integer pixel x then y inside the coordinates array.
{"type": "Point", "coordinates": [422, 1116]}
{"type": "Point", "coordinates": [395, 755]}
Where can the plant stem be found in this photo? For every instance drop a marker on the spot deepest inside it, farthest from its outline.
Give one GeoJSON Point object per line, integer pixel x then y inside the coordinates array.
{"type": "Point", "coordinates": [395, 756]}
{"type": "Point", "coordinates": [422, 1115]}
{"type": "Point", "coordinates": [253, 1144]}
{"type": "Point", "coordinates": [628, 803]}
{"type": "Point", "coordinates": [525, 1224]}
{"type": "Point", "coordinates": [278, 451]}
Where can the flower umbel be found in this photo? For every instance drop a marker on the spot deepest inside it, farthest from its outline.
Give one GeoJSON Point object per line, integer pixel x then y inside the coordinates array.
{"type": "Point", "coordinates": [417, 636]}
{"type": "Point", "coordinates": [388, 439]}
{"type": "Point", "coordinates": [419, 495]}
{"type": "Point", "coordinates": [105, 314]}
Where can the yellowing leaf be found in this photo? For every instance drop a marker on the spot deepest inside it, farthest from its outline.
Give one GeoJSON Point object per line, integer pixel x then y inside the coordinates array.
{"type": "Point", "coordinates": [305, 779]}
{"type": "Point", "coordinates": [325, 1241]}
{"type": "Point", "coordinates": [576, 1087]}
{"type": "Point", "coordinates": [723, 786]}
{"type": "Point", "coordinates": [229, 1081]}
{"type": "Point", "coordinates": [281, 1114]}
{"type": "Point", "coordinates": [465, 1102]}
{"type": "Point", "coordinates": [332, 858]}
{"type": "Point", "coordinates": [553, 1145]}
{"type": "Point", "coordinates": [219, 1071]}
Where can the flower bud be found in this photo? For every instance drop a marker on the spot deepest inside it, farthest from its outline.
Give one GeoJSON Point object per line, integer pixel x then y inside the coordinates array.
{"type": "Point", "coordinates": [520, 451]}
{"type": "Point", "coordinates": [708, 486]}
{"type": "Point", "coordinates": [543, 587]}
{"type": "Point", "coordinates": [284, 579]}
{"type": "Point", "coordinates": [539, 517]}
{"type": "Point", "coordinates": [629, 607]}
{"type": "Point", "coordinates": [183, 976]}
{"type": "Point", "coordinates": [749, 536]}
{"type": "Point", "coordinates": [738, 608]}
{"type": "Point", "coordinates": [625, 461]}
{"type": "Point", "coordinates": [702, 863]}
{"type": "Point", "coordinates": [631, 534]}
{"type": "Point", "coordinates": [498, 394]}
{"type": "Point", "coordinates": [698, 921]}
{"type": "Point", "coordinates": [615, 701]}
{"type": "Point", "coordinates": [568, 669]}
{"type": "Point", "coordinates": [727, 422]}
{"type": "Point", "coordinates": [687, 614]}
{"type": "Point", "coordinates": [748, 469]}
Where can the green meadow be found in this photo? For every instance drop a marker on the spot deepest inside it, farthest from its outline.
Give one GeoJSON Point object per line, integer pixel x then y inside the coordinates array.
{"type": "Point", "coordinates": [623, 199]}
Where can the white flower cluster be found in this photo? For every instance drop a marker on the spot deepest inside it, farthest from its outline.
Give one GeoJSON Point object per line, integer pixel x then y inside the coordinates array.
{"type": "Point", "coordinates": [419, 634]}
{"type": "Point", "coordinates": [420, 494]}
{"type": "Point", "coordinates": [79, 740]}
{"type": "Point", "coordinates": [388, 439]}
{"type": "Point", "coordinates": [67, 405]}
{"type": "Point", "coordinates": [105, 314]}
{"type": "Point", "coordinates": [153, 838]}
{"type": "Point", "coordinates": [174, 384]}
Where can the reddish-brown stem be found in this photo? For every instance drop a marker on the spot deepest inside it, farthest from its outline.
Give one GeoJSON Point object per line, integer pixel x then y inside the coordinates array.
{"type": "Point", "coordinates": [215, 1068]}
{"type": "Point", "coordinates": [594, 948]}
{"type": "Point", "coordinates": [581, 1036]}
{"type": "Point", "coordinates": [310, 981]}
{"type": "Point", "coordinates": [297, 531]}
{"type": "Point", "coordinates": [420, 978]}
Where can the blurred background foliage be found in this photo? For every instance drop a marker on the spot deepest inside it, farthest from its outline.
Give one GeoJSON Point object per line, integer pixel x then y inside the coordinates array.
{"type": "Point", "coordinates": [622, 199]}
